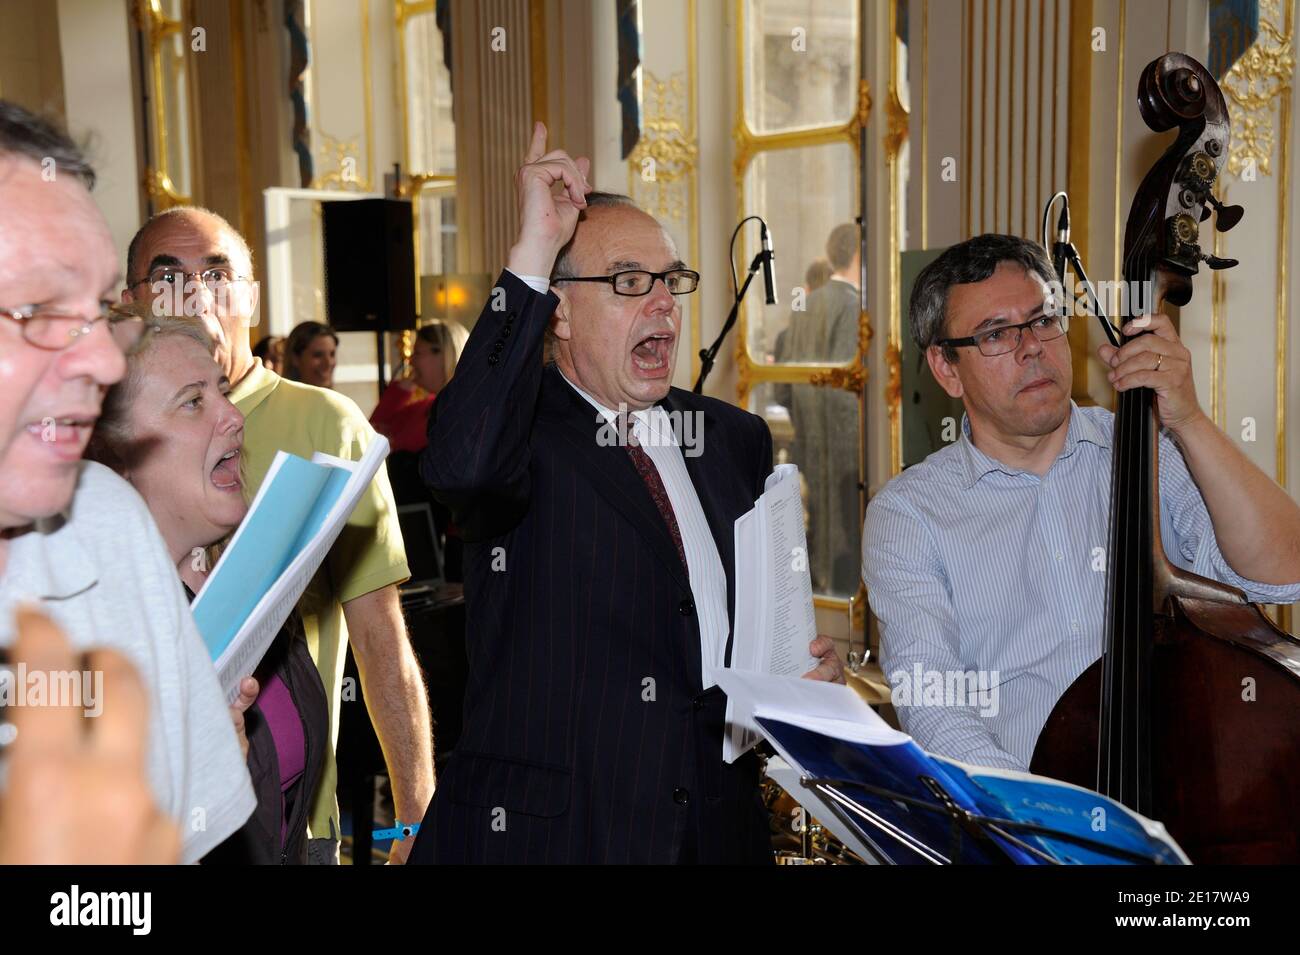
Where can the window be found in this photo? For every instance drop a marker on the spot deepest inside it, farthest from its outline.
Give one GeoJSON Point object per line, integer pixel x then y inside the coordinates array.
{"type": "Point", "coordinates": [801, 361]}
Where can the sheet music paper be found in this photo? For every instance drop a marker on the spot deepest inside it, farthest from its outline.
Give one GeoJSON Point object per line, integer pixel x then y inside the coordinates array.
{"type": "Point", "coordinates": [774, 616]}
{"type": "Point", "coordinates": [297, 514]}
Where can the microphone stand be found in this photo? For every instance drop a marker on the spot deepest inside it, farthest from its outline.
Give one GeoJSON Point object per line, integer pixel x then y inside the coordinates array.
{"type": "Point", "coordinates": [1064, 249]}
{"type": "Point", "coordinates": [708, 355]}
{"type": "Point", "coordinates": [1072, 257]}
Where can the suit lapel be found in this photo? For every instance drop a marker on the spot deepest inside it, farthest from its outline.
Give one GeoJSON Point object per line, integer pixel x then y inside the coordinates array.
{"type": "Point", "coordinates": [613, 474]}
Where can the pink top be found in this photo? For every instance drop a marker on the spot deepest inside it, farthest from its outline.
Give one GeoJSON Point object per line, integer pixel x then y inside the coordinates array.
{"type": "Point", "coordinates": [277, 707]}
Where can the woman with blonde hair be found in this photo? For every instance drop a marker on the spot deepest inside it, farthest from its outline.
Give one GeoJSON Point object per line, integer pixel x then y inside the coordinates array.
{"type": "Point", "coordinates": [170, 430]}
{"type": "Point", "coordinates": [402, 414]}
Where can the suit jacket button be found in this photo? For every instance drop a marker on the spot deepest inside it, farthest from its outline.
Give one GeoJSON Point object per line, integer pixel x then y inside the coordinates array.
{"type": "Point", "coordinates": [681, 796]}
{"type": "Point", "coordinates": [686, 608]}
{"type": "Point", "coordinates": [698, 702]}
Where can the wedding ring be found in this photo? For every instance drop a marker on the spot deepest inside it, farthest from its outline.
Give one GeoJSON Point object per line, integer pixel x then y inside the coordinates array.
{"type": "Point", "coordinates": [1159, 359]}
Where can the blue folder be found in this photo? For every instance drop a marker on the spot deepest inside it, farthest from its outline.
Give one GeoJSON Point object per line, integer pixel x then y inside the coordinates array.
{"type": "Point", "coordinates": [1111, 829]}
{"type": "Point", "coordinates": [290, 507]}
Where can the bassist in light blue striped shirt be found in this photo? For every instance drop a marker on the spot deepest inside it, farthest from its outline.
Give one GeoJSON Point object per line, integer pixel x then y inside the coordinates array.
{"type": "Point", "coordinates": [985, 564]}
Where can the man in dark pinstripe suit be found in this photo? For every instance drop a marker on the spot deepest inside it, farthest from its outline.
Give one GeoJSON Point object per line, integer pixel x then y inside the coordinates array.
{"type": "Point", "coordinates": [599, 572]}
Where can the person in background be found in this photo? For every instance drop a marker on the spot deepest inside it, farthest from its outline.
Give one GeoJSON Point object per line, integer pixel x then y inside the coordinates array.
{"type": "Point", "coordinates": [825, 420]}
{"type": "Point", "coordinates": [402, 414]}
{"type": "Point", "coordinates": [353, 598]}
{"type": "Point", "coordinates": [169, 428]}
{"type": "Point", "coordinates": [270, 349]}
{"type": "Point", "coordinates": [77, 538]}
{"type": "Point", "coordinates": [818, 273]}
{"type": "Point", "coordinates": [310, 354]}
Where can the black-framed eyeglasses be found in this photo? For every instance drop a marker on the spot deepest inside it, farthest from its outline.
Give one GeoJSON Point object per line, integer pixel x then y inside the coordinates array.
{"type": "Point", "coordinates": [216, 278]}
{"type": "Point", "coordinates": [1006, 338]}
{"type": "Point", "coordinates": [640, 282]}
{"type": "Point", "coordinates": [55, 329]}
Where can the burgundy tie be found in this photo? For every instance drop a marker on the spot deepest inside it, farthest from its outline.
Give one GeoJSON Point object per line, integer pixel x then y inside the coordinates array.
{"type": "Point", "coordinates": [658, 493]}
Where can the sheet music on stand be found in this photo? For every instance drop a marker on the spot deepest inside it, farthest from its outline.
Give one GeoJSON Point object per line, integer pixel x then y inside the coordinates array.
{"type": "Point", "coordinates": [906, 806]}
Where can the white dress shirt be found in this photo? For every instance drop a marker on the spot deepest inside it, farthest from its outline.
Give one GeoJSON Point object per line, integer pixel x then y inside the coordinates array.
{"type": "Point", "coordinates": [652, 429]}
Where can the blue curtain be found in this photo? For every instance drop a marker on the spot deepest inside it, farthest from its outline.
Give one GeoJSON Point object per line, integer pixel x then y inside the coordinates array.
{"type": "Point", "coordinates": [629, 58]}
{"type": "Point", "coordinates": [299, 56]}
{"type": "Point", "coordinates": [1234, 25]}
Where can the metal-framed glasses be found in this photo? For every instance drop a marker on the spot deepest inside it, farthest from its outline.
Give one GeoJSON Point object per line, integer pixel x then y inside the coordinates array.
{"type": "Point", "coordinates": [217, 278]}
{"type": "Point", "coordinates": [55, 329]}
{"type": "Point", "coordinates": [640, 282]}
{"type": "Point", "coordinates": [1006, 338]}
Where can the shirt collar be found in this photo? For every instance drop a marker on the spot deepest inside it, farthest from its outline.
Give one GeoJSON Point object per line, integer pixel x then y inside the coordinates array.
{"type": "Point", "coordinates": [254, 388]}
{"type": "Point", "coordinates": [976, 464]}
{"type": "Point", "coordinates": [47, 562]}
{"type": "Point", "coordinates": [641, 419]}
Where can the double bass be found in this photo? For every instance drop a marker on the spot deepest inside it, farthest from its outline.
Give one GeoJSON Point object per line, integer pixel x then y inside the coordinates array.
{"type": "Point", "coordinates": [1192, 714]}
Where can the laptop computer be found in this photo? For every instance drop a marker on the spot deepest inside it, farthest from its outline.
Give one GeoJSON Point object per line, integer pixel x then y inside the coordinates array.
{"type": "Point", "coordinates": [423, 553]}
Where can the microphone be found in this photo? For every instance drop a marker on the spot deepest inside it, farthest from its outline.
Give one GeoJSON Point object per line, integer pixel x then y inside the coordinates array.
{"type": "Point", "coordinates": [769, 280]}
{"type": "Point", "coordinates": [1060, 248]}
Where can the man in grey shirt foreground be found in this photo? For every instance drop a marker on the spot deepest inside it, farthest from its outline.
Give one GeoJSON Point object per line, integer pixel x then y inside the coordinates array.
{"type": "Point", "coordinates": [77, 539]}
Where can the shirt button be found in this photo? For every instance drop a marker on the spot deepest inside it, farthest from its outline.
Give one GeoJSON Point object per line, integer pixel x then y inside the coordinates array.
{"type": "Point", "coordinates": [681, 796]}
{"type": "Point", "coordinates": [1060, 556]}
{"type": "Point", "coordinates": [686, 608]}
{"type": "Point", "coordinates": [1074, 625]}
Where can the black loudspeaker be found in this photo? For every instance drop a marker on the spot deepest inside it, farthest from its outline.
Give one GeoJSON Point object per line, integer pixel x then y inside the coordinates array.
{"type": "Point", "coordinates": [369, 264]}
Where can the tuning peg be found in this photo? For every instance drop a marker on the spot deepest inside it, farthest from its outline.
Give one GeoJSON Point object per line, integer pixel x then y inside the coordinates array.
{"type": "Point", "coordinates": [1216, 263]}
{"type": "Point", "coordinates": [1229, 216]}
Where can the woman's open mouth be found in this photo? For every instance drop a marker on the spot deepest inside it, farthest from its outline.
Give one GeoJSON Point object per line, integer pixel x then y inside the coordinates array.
{"type": "Point", "coordinates": [225, 476]}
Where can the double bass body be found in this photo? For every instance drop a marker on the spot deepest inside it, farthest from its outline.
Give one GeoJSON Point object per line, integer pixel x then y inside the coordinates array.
{"type": "Point", "coordinates": [1225, 733]}
{"type": "Point", "coordinates": [1192, 714]}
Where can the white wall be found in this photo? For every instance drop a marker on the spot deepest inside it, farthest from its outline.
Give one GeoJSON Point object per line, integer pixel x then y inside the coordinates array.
{"type": "Point", "coordinates": [95, 38]}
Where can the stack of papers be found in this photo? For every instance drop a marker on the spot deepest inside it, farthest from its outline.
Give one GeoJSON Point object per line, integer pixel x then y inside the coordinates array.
{"type": "Point", "coordinates": [298, 512]}
{"type": "Point", "coordinates": [774, 616]}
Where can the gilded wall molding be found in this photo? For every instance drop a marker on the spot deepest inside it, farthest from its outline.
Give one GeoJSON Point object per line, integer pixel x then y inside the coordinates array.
{"type": "Point", "coordinates": [157, 27]}
{"type": "Point", "coordinates": [896, 129]}
{"type": "Point", "coordinates": [664, 160]}
{"type": "Point", "coordinates": [896, 123]}
{"type": "Point", "coordinates": [1258, 90]}
{"type": "Point", "coordinates": [332, 156]}
{"type": "Point", "coordinates": [1253, 87]}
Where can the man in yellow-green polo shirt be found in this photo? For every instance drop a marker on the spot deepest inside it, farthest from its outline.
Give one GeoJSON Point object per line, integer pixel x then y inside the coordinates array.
{"type": "Point", "coordinates": [354, 595]}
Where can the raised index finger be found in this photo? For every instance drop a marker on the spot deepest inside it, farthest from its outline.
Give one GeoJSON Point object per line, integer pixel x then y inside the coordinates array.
{"type": "Point", "coordinates": [537, 148]}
